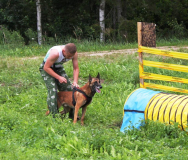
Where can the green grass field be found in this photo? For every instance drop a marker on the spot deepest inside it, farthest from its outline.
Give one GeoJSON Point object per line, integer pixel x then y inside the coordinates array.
{"type": "Point", "coordinates": [26, 133]}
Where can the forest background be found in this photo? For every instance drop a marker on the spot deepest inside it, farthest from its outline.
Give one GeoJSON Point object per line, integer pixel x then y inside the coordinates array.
{"type": "Point", "coordinates": [62, 20]}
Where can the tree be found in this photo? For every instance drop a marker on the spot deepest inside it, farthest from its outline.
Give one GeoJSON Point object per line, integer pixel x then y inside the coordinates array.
{"type": "Point", "coordinates": [39, 26]}
{"type": "Point", "coordinates": [119, 10]}
{"type": "Point", "coordinates": [102, 20]}
{"type": "Point", "coordinates": [88, 19]}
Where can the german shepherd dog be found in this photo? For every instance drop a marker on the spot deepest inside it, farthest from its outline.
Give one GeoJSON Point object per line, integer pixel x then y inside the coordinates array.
{"type": "Point", "coordinates": [78, 98]}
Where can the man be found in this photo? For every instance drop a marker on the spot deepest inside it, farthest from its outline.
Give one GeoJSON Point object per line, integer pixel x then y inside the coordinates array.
{"type": "Point", "coordinates": [55, 76]}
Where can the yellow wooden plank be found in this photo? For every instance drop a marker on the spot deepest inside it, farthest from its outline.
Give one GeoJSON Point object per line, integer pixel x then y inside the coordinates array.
{"type": "Point", "coordinates": [174, 67]}
{"type": "Point", "coordinates": [146, 75]}
{"type": "Point", "coordinates": [162, 87]}
{"type": "Point", "coordinates": [163, 52]}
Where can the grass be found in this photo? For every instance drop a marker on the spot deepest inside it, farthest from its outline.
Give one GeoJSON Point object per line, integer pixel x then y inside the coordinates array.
{"type": "Point", "coordinates": [26, 133]}
{"type": "Point", "coordinates": [82, 46]}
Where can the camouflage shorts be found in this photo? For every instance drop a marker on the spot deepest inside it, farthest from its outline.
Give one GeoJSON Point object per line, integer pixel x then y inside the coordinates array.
{"type": "Point", "coordinates": [53, 85]}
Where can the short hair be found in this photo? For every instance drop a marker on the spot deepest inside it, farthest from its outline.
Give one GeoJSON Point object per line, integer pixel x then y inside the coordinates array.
{"type": "Point", "coordinates": [70, 48]}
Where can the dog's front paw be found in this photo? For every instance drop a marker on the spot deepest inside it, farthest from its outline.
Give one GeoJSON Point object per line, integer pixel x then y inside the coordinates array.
{"type": "Point", "coordinates": [74, 122]}
{"type": "Point", "coordinates": [47, 113]}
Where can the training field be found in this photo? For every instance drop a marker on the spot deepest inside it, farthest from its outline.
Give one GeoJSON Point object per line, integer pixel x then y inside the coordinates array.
{"type": "Point", "coordinates": [26, 133]}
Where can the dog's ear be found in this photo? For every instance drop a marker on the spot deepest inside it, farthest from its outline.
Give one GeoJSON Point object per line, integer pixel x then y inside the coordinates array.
{"type": "Point", "coordinates": [90, 78]}
{"type": "Point", "coordinates": [98, 76]}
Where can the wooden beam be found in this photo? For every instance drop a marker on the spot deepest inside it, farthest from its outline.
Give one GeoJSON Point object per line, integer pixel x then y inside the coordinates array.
{"type": "Point", "coordinates": [141, 68]}
{"type": "Point", "coordinates": [139, 32]}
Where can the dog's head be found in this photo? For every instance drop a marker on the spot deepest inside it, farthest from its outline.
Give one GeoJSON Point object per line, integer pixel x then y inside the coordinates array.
{"type": "Point", "coordinates": [95, 84]}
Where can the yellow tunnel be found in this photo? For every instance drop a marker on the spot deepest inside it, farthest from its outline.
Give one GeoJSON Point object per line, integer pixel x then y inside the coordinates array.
{"type": "Point", "coordinates": [154, 105]}
{"type": "Point", "coordinates": [168, 108]}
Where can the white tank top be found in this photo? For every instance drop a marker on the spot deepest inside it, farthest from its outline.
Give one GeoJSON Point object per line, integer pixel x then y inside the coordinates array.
{"type": "Point", "coordinates": [61, 59]}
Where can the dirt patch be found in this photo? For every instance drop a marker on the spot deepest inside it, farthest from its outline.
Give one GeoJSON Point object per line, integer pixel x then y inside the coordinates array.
{"type": "Point", "coordinates": [122, 51]}
{"type": "Point", "coordinates": [2, 84]}
{"type": "Point", "coordinates": [102, 53]}
{"type": "Point", "coordinates": [127, 51]}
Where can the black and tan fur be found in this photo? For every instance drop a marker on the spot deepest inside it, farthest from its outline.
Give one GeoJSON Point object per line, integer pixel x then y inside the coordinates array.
{"type": "Point", "coordinates": [65, 98]}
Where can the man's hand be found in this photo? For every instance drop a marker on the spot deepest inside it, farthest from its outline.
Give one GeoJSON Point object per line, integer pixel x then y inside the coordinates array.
{"type": "Point", "coordinates": [62, 79]}
{"type": "Point", "coordinates": [75, 85]}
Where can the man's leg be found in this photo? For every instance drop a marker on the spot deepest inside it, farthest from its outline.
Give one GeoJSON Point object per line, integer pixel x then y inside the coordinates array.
{"type": "Point", "coordinates": [65, 87]}
{"type": "Point", "coordinates": [52, 92]}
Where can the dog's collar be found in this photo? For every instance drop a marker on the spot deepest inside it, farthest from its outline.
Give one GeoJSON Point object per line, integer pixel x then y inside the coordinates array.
{"type": "Point", "coordinates": [85, 95]}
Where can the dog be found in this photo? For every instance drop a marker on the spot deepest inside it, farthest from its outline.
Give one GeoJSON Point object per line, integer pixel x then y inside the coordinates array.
{"type": "Point", "coordinates": [78, 98]}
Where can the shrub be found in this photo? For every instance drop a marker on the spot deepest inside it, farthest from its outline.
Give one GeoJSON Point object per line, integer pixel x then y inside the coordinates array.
{"type": "Point", "coordinates": [10, 37]}
{"type": "Point", "coordinates": [32, 35]}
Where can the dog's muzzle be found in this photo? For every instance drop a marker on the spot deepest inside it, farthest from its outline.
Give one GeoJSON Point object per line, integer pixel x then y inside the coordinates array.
{"type": "Point", "coordinates": [97, 88]}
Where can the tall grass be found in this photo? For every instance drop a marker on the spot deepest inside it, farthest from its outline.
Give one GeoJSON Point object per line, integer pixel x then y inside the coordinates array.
{"type": "Point", "coordinates": [20, 50]}
{"type": "Point", "coordinates": [26, 133]}
{"type": "Point", "coordinates": [171, 42]}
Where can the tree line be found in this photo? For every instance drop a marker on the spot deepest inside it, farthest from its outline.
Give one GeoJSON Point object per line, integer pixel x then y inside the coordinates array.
{"type": "Point", "coordinates": [114, 20]}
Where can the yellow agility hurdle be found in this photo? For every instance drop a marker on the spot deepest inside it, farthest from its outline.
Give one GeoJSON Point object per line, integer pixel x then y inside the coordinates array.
{"type": "Point", "coordinates": [152, 76]}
